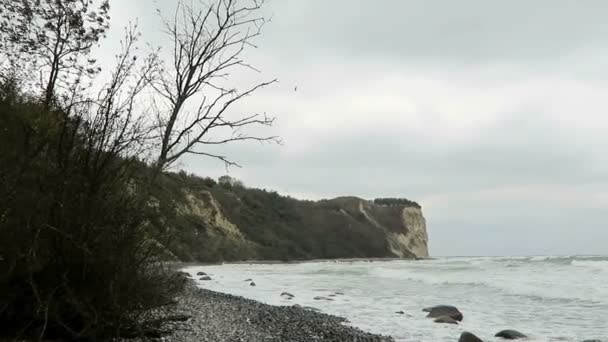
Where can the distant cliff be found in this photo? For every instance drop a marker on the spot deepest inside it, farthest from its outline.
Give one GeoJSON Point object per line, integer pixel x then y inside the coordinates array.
{"type": "Point", "coordinates": [229, 222]}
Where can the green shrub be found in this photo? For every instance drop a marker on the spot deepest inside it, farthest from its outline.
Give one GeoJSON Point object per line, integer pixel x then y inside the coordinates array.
{"type": "Point", "coordinates": [77, 256]}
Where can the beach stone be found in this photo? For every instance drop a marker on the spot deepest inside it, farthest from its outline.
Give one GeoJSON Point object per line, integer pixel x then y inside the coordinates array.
{"type": "Point", "coordinates": [322, 298]}
{"type": "Point", "coordinates": [468, 337]}
{"type": "Point", "coordinates": [400, 312]}
{"type": "Point", "coordinates": [287, 295]}
{"type": "Point", "coordinates": [252, 284]}
{"type": "Point", "coordinates": [248, 279]}
{"type": "Point", "coordinates": [445, 319]}
{"type": "Point", "coordinates": [510, 334]}
{"type": "Point", "coordinates": [592, 341]}
{"type": "Point", "coordinates": [444, 310]}
{"type": "Point", "coordinates": [205, 278]}
{"type": "Point", "coordinates": [201, 274]}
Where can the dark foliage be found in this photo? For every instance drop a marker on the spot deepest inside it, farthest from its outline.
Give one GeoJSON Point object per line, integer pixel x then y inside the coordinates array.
{"type": "Point", "coordinates": [77, 257]}
{"type": "Point", "coordinates": [390, 202]}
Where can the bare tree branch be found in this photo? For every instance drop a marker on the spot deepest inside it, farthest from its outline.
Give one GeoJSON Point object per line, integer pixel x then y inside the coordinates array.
{"type": "Point", "coordinates": [208, 44]}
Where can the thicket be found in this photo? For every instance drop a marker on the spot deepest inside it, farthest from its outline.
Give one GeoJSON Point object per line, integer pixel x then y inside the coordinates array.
{"type": "Point", "coordinates": [77, 255]}
{"type": "Point", "coordinates": [83, 236]}
{"type": "Point", "coordinates": [392, 202]}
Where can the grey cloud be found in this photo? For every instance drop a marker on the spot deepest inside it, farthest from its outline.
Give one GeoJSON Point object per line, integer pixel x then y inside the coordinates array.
{"type": "Point", "coordinates": [383, 161]}
{"type": "Point", "coordinates": [469, 31]}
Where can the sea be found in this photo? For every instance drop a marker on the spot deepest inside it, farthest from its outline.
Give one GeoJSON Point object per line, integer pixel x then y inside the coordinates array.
{"type": "Point", "coordinates": [548, 298]}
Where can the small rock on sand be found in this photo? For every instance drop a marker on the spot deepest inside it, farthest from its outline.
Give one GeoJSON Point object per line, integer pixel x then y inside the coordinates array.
{"type": "Point", "coordinates": [205, 278]}
{"type": "Point", "coordinates": [252, 284]}
{"type": "Point", "coordinates": [201, 273]}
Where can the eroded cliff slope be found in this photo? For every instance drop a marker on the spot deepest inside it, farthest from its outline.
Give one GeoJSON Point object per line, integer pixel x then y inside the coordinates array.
{"type": "Point", "coordinates": [227, 222]}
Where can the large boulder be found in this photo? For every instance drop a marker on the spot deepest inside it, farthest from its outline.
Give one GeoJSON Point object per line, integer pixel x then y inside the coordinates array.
{"type": "Point", "coordinates": [445, 319]}
{"type": "Point", "coordinates": [510, 334]}
{"type": "Point", "coordinates": [468, 337]}
{"type": "Point", "coordinates": [444, 310]}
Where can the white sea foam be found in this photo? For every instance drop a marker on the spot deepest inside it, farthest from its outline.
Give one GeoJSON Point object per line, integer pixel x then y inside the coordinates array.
{"type": "Point", "coordinates": [550, 298]}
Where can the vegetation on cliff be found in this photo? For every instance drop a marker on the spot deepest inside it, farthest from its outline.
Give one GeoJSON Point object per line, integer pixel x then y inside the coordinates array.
{"type": "Point", "coordinates": [274, 227]}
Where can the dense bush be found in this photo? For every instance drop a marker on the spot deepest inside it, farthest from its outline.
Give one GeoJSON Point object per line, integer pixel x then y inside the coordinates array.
{"type": "Point", "coordinates": [391, 202]}
{"type": "Point", "coordinates": [77, 256]}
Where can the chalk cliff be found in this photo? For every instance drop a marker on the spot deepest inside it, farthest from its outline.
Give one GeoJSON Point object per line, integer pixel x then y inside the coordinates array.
{"type": "Point", "coordinates": [220, 222]}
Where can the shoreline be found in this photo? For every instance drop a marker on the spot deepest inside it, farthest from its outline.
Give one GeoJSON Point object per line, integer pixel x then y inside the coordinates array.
{"type": "Point", "coordinates": [216, 316]}
{"type": "Point", "coordinates": [179, 265]}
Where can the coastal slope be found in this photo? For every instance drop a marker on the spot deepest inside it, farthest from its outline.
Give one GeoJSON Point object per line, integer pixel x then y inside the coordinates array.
{"type": "Point", "coordinates": [227, 221]}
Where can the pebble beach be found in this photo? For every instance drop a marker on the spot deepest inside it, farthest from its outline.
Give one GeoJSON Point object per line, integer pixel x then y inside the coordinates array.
{"type": "Point", "coordinates": [222, 317]}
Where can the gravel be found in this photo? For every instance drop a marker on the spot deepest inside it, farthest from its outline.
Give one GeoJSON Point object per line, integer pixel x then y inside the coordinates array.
{"type": "Point", "coordinates": [222, 317]}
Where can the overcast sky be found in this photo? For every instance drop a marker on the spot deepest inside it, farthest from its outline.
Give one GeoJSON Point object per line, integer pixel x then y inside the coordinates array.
{"type": "Point", "coordinates": [491, 114]}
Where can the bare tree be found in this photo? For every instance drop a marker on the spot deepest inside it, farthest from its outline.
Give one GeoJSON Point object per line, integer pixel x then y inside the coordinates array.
{"type": "Point", "coordinates": [119, 118]}
{"type": "Point", "coordinates": [208, 43]}
{"type": "Point", "coordinates": [59, 33]}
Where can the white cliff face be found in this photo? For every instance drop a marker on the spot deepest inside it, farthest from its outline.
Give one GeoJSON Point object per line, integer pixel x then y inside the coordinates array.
{"type": "Point", "coordinates": [206, 207]}
{"type": "Point", "coordinates": [407, 236]}
{"type": "Point", "coordinates": [416, 238]}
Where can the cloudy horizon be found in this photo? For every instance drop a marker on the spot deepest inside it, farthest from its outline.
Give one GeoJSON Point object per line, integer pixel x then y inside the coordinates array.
{"type": "Point", "coordinates": [489, 114]}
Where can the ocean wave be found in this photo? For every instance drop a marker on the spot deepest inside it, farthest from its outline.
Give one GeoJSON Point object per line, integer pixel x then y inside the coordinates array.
{"type": "Point", "coordinates": [542, 278]}
{"type": "Point", "coordinates": [516, 260]}
{"type": "Point", "coordinates": [601, 265]}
